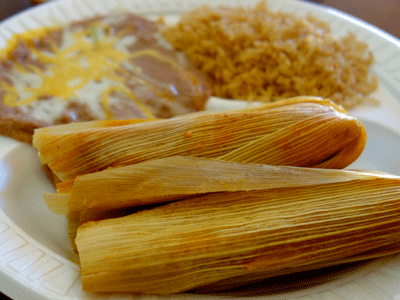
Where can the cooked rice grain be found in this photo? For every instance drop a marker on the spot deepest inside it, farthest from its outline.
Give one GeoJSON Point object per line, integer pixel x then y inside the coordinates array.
{"type": "Point", "coordinates": [257, 54]}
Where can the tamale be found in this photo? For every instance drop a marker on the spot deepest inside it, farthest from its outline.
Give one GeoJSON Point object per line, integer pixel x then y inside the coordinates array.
{"type": "Point", "coordinates": [112, 192]}
{"type": "Point", "coordinates": [178, 177]}
{"type": "Point", "coordinates": [303, 131]}
{"type": "Point", "coordinates": [217, 236]}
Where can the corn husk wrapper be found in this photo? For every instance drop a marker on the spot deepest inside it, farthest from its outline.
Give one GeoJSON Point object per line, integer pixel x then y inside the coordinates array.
{"type": "Point", "coordinates": [179, 177]}
{"type": "Point", "coordinates": [112, 192]}
{"type": "Point", "coordinates": [214, 237]}
{"type": "Point", "coordinates": [303, 131]}
{"type": "Point", "coordinates": [238, 286]}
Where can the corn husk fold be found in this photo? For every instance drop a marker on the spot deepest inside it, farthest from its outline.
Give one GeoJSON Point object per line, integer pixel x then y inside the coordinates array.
{"type": "Point", "coordinates": [236, 234]}
{"type": "Point", "coordinates": [303, 131]}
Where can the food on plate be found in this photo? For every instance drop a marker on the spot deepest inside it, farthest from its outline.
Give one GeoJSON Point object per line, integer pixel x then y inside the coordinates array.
{"type": "Point", "coordinates": [302, 131]}
{"type": "Point", "coordinates": [116, 66]}
{"type": "Point", "coordinates": [115, 191]}
{"type": "Point", "coordinates": [258, 54]}
{"type": "Point", "coordinates": [234, 236]}
{"type": "Point", "coordinates": [172, 178]}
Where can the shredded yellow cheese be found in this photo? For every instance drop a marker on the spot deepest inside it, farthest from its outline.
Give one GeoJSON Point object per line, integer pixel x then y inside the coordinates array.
{"type": "Point", "coordinates": [83, 59]}
{"type": "Point", "coordinates": [89, 64]}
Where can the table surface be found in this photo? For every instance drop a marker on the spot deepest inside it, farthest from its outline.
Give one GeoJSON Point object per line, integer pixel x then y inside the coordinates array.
{"type": "Point", "coordinates": [385, 14]}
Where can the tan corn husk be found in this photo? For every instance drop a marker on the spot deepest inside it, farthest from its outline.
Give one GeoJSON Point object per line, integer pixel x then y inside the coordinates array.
{"type": "Point", "coordinates": [230, 286]}
{"type": "Point", "coordinates": [304, 131]}
{"type": "Point", "coordinates": [209, 238]}
{"type": "Point", "coordinates": [179, 177]}
{"type": "Point", "coordinates": [108, 193]}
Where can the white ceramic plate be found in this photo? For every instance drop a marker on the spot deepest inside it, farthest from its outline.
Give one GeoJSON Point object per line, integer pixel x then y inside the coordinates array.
{"type": "Point", "coordinates": [36, 260]}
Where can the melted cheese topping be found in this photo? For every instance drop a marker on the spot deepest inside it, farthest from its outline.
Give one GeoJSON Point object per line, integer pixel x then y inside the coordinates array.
{"type": "Point", "coordinates": [79, 59]}
{"type": "Point", "coordinates": [87, 66]}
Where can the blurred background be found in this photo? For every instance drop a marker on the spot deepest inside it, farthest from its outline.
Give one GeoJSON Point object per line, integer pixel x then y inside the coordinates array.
{"type": "Point", "coordinates": [385, 14]}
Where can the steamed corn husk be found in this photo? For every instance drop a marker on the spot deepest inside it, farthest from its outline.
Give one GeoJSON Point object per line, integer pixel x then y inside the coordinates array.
{"type": "Point", "coordinates": [304, 131]}
{"type": "Point", "coordinates": [179, 177]}
{"type": "Point", "coordinates": [109, 193]}
{"type": "Point", "coordinates": [113, 192]}
{"type": "Point", "coordinates": [219, 236]}
{"type": "Point", "coordinates": [230, 287]}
